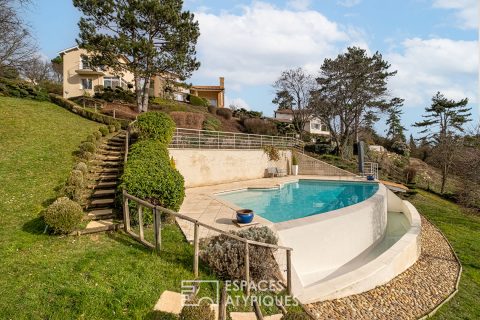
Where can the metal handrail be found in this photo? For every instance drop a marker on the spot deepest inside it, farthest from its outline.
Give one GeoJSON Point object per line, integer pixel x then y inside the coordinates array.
{"type": "Point", "coordinates": [370, 168]}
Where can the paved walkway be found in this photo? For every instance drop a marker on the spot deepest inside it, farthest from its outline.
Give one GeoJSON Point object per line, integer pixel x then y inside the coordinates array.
{"type": "Point", "coordinates": [411, 295]}
{"type": "Point", "coordinates": [201, 203]}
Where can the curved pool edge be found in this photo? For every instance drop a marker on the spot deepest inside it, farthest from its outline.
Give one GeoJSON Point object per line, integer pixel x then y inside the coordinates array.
{"type": "Point", "coordinates": [389, 264]}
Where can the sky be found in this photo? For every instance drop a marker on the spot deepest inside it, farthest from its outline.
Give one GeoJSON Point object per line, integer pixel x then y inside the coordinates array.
{"type": "Point", "coordinates": [433, 44]}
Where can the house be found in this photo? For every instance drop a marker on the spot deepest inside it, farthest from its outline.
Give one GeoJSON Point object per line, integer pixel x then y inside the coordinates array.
{"type": "Point", "coordinates": [168, 85]}
{"type": "Point", "coordinates": [314, 125]}
{"type": "Point", "coordinates": [214, 94]}
{"type": "Point", "coordinates": [80, 78]}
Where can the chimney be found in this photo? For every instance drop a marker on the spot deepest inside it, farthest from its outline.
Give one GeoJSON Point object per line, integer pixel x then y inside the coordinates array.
{"type": "Point", "coordinates": [222, 82]}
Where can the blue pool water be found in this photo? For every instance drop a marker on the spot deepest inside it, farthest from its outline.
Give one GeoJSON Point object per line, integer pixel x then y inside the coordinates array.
{"type": "Point", "coordinates": [301, 199]}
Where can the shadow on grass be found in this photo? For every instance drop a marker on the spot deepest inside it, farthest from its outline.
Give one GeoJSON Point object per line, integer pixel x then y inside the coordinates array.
{"type": "Point", "coordinates": [122, 238]}
{"type": "Point", "coordinates": [157, 315]}
{"type": "Point", "coordinates": [34, 226]}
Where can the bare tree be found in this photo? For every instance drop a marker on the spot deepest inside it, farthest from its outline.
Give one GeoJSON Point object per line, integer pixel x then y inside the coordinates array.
{"type": "Point", "coordinates": [37, 70]}
{"type": "Point", "coordinates": [296, 85]}
{"type": "Point", "coordinates": [16, 44]}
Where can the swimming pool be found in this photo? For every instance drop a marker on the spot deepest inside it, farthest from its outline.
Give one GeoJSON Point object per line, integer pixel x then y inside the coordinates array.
{"type": "Point", "coordinates": [301, 199]}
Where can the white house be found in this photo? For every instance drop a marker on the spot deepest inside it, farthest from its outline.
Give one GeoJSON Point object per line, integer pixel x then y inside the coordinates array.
{"type": "Point", "coordinates": [314, 125]}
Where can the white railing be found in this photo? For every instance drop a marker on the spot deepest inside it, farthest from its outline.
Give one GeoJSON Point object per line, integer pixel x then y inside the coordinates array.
{"type": "Point", "coordinates": [370, 169]}
{"type": "Point", "coordinates": [205, 139]}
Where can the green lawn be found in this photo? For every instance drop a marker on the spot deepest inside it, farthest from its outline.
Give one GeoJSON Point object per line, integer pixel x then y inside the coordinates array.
{"type": "Point", "coordinates": [463, 231]}
{"type": "Point", "coordinates": [48, 277]}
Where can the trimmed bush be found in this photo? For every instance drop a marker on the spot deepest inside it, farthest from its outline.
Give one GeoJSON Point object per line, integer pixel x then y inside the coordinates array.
{"type": "Point", "coordinates": [148, 175]}
{"type": "Point", "coordinates": [91, 138]}
{"type": "Point", "coordinates": [98, 135]}
{"type": "Point", "coordinates": [86, 155]}
{"type": "Point", "coordinates": [75, 178]}
{"type": "Point", "coordinates": [194, 312]}
{"type": "Point", "coordinates": [82, 167]}
{"type": "Point", "coordinates": [212, 109]}
{"type": "Point", "coordinates": [104, 131]}
{"type": "Point", "coordinates": [155, 125]}
{"type": "Point", "coordinates": [212, 124]}
{"type": "Point", "coordinates": [190, 120]}
{"type": "Point", "coordinates": [296, 315]}
{"type": "Point", "coordinates": [226, 256]}
{"type": "Point", "coordinates": [197, 101]}
{"type": "Point", "coordinates": [111, 128]}
{"type": "Point", "coordinates": [87, 147]}
{"type": "Point", "coordinates": [118, 126]}
{"type": "Point", "coordinates": [224, 113]}
{"type": "Point", "coordinates": [63, 216]}
{"type": "Point", "coordinates": [260, 126]}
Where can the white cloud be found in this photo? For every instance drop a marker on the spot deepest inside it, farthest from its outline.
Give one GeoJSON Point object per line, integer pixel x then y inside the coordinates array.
{"type": "Point", "coordinates": [348, 3]}
{"type": "Point", "coordinates": [466, 11]}
{"type": "Point", "coordinates": [428, 66]}
{"type": "Point", "coordinates": [253, 47]}
{"type": "Point", "coordinates": [301, 5]}
{"type": "Point", "coordinates": [238, 102]}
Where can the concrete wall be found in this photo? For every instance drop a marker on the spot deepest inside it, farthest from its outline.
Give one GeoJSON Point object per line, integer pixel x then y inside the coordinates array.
{"type": "Point", "coordinates": [202, 167]}
{"type": "Point", "coordinates": [311, 166]}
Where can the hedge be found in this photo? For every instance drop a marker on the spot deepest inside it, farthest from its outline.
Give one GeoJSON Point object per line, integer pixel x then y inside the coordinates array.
{"type": "Point", "coordinates": [197, 101]}
{"type": "Point", "coordinates": [149, 175]}
{"type": "Point", "coordinates": [155, 125]}
{"type": "Point", "coordinates": [22, 89]}
{"type": "Point", "coordinates": [89, 114]}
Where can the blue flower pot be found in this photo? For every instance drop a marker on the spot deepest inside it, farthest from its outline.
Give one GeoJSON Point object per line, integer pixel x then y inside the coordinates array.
{"type": "Point", "coordinates": [370, 178]}
{"type": "Point", "coordinates": [245, 216]}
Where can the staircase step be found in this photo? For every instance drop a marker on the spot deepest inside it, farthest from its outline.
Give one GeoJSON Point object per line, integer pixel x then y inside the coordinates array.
{"type": "Point", "coordinates": [100, 226]}
{"type": "Point", "coordinates": [102, 202]}
{"type": "Point", "coordinates": [104, 185]}
{"type": "Point", "coordinates": [109, 158]}
{"type": "Point", "coordinates": [101, 214]}
{"type": "Point", "coordinates": [103, 193]}
{"type": "Point", "coordinates": [107, 177]}
{"type": "Point", "coordinates": [105, 170]}
{"type": "Point", "coordinates": [115, 143]}
{"type": "Point", "coordinates": [111, 153]}
{"type": "Point", "coordinates": [110, 148]}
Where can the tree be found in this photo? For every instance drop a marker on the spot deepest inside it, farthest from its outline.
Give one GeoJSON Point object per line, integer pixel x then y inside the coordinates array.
{"type": "Point", "coordinates": [412, 145]}
{"type": "Point", "coordinates": [349, 86]}
{"type": "Point", "coordinates": [294, 89]}
{"type": "Point", "coordinates": [442, 125]}
{"type": "Point", "coordinates": [395, 128]}
{"type": "Point", "coordinates": [57, 69]}
{"type": "Point", "coordinates": [37, 70]}
{"type": "Point", "coordinates": [16, 44]}
{"type": "Point", "coordinates": [154, 36]}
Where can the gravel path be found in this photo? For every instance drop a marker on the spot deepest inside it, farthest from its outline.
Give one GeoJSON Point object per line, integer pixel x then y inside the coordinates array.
{"type": "Point", "coordinates": [410, 295]}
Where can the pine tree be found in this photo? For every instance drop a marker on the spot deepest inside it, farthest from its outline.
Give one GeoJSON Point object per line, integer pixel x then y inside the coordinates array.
{"type": "Point", "coordinates": [395, 128]}
{"type": "Point", "coordinates": [155, 36]}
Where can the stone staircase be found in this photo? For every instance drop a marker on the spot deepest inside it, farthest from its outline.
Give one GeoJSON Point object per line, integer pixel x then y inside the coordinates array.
{"type": "Point", "coordinates": [106, 170]}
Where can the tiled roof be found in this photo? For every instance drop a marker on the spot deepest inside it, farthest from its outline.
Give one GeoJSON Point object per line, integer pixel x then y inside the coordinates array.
{"type": "Point", "coordinates": [208, 88]}
{"type": "Point", "coordinates": [284, 111]}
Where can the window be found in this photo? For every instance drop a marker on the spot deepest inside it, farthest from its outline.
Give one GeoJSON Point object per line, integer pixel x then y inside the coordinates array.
{"type": "Point", "coordinates": [213, 102]}
{"type": "Point", "coordinates": [324, 127]}
{"type": "Point", "coordinates": [85, 64]}
{"type": "Point", "coordinates": [87, 84]}
{"type": "Point", "coordinates": [111, 82]}
{"type": "Point", "coordinates": [316, 126]}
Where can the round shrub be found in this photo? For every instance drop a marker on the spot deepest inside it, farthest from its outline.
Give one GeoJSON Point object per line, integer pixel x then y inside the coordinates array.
{"type": "Point", "coordinates": [111, 128]}
{"type": "Point", "coordinates": [91, 138]}
{"type": "Point", "coordinates": [75, 178]}
{"type": "Point", "coordinates": [226, 256]}
{"type": "Point", "coordinates": [197, 101]}
{"type": "Point", "coordinates": [63, 216]}
{"type": "Point", "coordinates": [81, 166]}
{"type": "Point", "coordinates": [86, 155]}
{"type": "Point", "coordinates": [296, 315]}
{"type": "Point", "coordinates": [155, 125]}
{"type": "Point", "coordinates": [117, 126]}
{"type": "Point", "coordinates": [197, 312]}
{"type": "Point", "coordinates": [87, 146]}
{"type": "Point", "coordinates": [149, 175]}
{"type": "Point", "coordinates": [104, 131]}
{"type": "Point", "coordinates": [212, 109]}
{"type": "Point", "coordinates": [98, 135]}
{"type": "Point", "coordinates": [224, 113]}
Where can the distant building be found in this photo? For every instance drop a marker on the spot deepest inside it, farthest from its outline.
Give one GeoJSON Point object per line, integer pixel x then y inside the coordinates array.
{"type": "Point", "coordinates": [314, 125]}
{"type": "Point", "coordinates": [214, 94]}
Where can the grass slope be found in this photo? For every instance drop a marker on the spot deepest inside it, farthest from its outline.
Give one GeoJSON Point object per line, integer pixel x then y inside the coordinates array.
{"type": "Point", "coordinates": [47, 277]}
{"type": "Point", "coordinates": [463, 231]}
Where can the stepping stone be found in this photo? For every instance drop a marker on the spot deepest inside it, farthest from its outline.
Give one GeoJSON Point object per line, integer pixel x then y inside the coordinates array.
{"type": "Point", "coordinates": [170, 302]}
{"type": "Point", "coordinates": [100, 214]}
{"type": "Point", "coordinates": [105, 192]}
{"type": "Point", "coordinates": [274, 317]}
{"type": "Point", "coordinates": [102, 202]}
{"type": "Point", "coordinates": [243, 316]}
{"type": "Point", "coordinates": [99, 224]}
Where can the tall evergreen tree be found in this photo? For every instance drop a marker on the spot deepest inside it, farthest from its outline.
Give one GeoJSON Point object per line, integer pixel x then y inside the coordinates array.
{"type": "Point", "coordinates": [283, 100]}
{"type": "Point", "coordinates": [155, 36]}
{"type": "Point", "coordinates": [395, 129]}
{"type": "Point", "coordinates": [442, 125]}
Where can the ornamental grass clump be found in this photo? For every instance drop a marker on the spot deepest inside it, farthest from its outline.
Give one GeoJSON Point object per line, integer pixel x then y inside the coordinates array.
{"type": "Point", "coordinates": [156, 126]}
{"type": "Point", "coordinates": [63, 216]}
{"type": "Point", "coordinates": [81, 166]}
{"type": "Point", "coordinates": [226, 256]}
